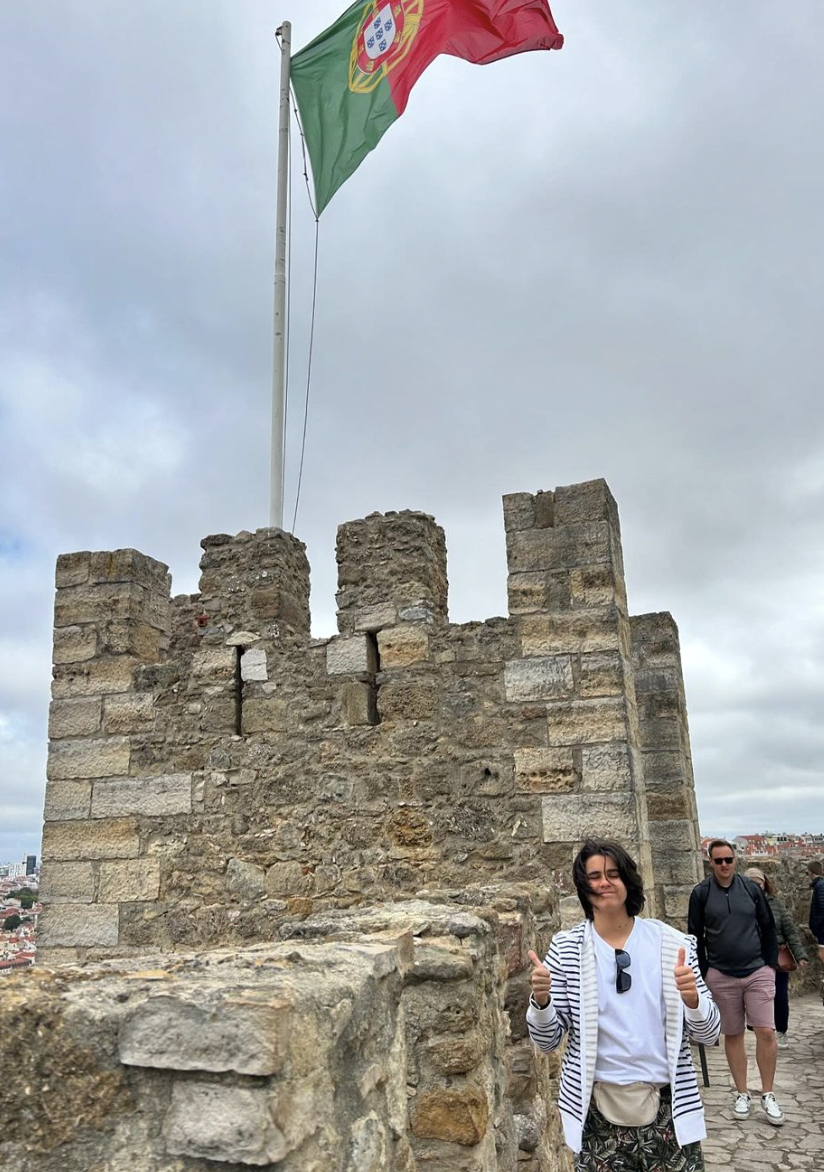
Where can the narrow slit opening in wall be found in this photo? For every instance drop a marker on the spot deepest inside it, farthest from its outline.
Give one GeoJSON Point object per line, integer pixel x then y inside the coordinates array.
{"type": "Point", "coordinates": [374, 657]}
{"type": "Point", "coordinates": [238, 691]}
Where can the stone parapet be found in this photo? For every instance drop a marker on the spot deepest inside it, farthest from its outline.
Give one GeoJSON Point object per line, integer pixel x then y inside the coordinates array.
{"type": "Point", "coordinates": [387, 1038]}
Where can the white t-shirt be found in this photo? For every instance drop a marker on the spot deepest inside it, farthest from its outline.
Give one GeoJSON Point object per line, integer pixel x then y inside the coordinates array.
{"type": "Point", "coordinates": [632, 1044]}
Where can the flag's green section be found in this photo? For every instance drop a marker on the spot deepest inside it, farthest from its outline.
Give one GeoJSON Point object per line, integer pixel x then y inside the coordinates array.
{"type": "Point", "coordinates": [341, 127]}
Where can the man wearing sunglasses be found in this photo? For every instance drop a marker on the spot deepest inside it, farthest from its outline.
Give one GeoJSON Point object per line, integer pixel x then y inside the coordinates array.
{"type": "Point", "coordinates": [629, 995]}
{"type": "Point", "coordinates": [738, 955]}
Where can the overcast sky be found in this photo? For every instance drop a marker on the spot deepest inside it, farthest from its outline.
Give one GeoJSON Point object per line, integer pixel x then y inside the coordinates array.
{"type": "Point", "coordinates": [604, 261]}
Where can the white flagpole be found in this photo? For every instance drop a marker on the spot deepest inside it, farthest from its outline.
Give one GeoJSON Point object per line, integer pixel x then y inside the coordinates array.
{"type": "Point", "coordinates": [279, 355]}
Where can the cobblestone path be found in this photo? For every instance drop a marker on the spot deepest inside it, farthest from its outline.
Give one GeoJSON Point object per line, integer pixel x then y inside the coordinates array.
{"type": "Point", "coordinates": [753, 1144]}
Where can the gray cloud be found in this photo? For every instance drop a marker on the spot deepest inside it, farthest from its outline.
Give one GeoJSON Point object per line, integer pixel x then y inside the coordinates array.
{"type": "Point", "coordinates": [599, 262]}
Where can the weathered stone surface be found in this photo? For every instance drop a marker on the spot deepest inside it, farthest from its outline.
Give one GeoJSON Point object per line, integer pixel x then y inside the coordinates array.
{"type": "Point", "coordinates": [602, 674]}
{"type": "Point", "coordinates": [253, 665]}
{"type": "Point", "coordinates": [67, 883]}
{"type": "Point", "coordinates": [75, 718]}
{"type": "Point", "coordinates": [456, 1055]}
{"type": "Point", "coordinates": [128, 879]}
{"type": "Point", "coordinates": [109, 839]}
{"type": "Point", "coordinates": [72, 569]}
{"type": "Point", "coordinates": [151, 796]}
{"type": "Point", "coordinates": [246, 880]}
{"type": "Point", "coordinates": [374, 618]}
{"type": "Point", "coordinates": [605, 767]}
{"type": "Point", "coordinates": [402, 646]}
{"type": "Point", "coordinates": [80, 925]}
{"type": "Point", "coordinates": [108, 757]}
{"type": "Point", "coordinates": [586, 721]}
{"type": "Point", "coordinates": [558, 548]}
{"type": "Point", "coordinates": [545, 771]}
{"type": "Point", "coordinates": [457, 1116]}
{"type": "Point", "coordinates": [217, 1033]}
{"type": "Point", "coordinates": [96, 677]}
{"type": "Point", "coordinates": [354, 655]}
{"type": "Point", "coordinates": [67, 799]}
{"type": "Point", "coordinates": [573, 631]}
{"type": "Point", "coordinates": [215, 1122]}
{"type": "Point", "coordinates": [129, 713]}
{"type": "Point", "coordinates": [216, 664]}
{"type": "Point", "coordinates": [519, 510]}
{"type": "Point", "coordinates": [359, 703]}
{"type": "Point", "coordinates": [566, 818]}
{"type": "Point", "coordinates": [548, 678]}
{"type": "Point", "coordinates": [74, 644]}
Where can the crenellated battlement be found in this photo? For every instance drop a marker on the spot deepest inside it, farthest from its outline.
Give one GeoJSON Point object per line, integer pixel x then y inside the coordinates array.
{"type": "Point", "coordinates": [215, 773]}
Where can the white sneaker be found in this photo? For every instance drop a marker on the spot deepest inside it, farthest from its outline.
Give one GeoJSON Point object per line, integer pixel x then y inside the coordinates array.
{"type": "Point", "coordinates": [781, 1040]}
{"type": "Point", "coordinates": [771, 1109]}
{"type": "Point", "coordinates": [743, 1105]}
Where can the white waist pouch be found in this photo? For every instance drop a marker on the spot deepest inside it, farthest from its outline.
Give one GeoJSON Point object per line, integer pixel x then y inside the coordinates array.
{"type": "Point", "coordinates": [633, 1104]}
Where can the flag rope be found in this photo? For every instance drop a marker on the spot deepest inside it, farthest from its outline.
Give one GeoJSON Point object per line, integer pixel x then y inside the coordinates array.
{"type": "Point", "coordinates": [314, 308]}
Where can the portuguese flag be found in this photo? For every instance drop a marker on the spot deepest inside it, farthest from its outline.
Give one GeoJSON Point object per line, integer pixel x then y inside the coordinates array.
{"type": "Point", "coordinates": [354, 80]}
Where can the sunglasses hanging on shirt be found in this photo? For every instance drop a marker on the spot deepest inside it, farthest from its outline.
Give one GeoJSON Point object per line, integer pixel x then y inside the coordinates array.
{"type": "Point", "coordinates": [623, 980]}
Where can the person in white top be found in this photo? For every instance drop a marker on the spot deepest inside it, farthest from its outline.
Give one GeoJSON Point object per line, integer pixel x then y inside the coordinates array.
{"type": "Point", "coordinates": [628, 995]}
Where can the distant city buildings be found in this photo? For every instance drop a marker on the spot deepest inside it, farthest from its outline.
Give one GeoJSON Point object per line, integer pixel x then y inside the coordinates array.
{"type": "Point", "coordinates": [772, 845]}
{"type": "Point", "coordinates": [19, 907]}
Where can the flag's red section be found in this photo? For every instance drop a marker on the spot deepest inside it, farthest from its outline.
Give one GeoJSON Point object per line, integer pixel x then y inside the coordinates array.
{"type": "Point", "coordinates": [479, 31]}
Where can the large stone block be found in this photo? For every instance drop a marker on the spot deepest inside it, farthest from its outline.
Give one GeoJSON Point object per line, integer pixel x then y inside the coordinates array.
{"type": "Point", "coordinates": [215, 664]}
{"type": "Point", "coordinates": [375, 618]}
{"type": "Point", "coordinates": [605, 767]}
{"type": "Point", "coordinates": [67, 800]}
{"type": "Point", "coordinates": [663, 806]}
{"type": "Point", "coordinates": [519, 511]}
{"type": "Point", "coordinates": [74, 644]}
{"type": "Point", "coordinates": [75, 718]}
{"type": "Point", "coordinates": [566, 817]}
{"type": "Point", "coordinates": [677, 835]}
{"type": "Point", "coordinates": [457, 1116]}
{"type": "Point", "coordinates": [591, 500]}
{"type": "Point", "coordinates": [128, 880]}
{"type": "Point", "coordinates": [108, 757]}
{"type": "Point", "coordinates": [556, 549]}
{"type": "Point", "coordinates": [149, 796]}
{"type": "Point", "coordinates": [216, 1122]}
{"type": "Point", "coordinates": [602, 674]}
{"type": "Point", "coordinates": [111, 839]}
{"type": "Point", "coordinates": [547, 678]}
{"type": "Point", "coordinates": [94, 678]}
{"type": "Point", "coordinates": [217, 1034]}
{"type": "Point", "coordinates": [129, 713]}
{"type": "Point", "coordinates": [67, 883]}
{"type": "Point", "coordinates": [402, 646]}
{"type": "Point", "coordinates": [545, 771]}
{"type": "Point", "coordinates": [580, 722]}
{"type": "Point", "coordinates": [130, 637]}
{"type": "Point", "coordinates": [571, 632]}
{"type": "Point", "coordinates": [75, 605]}
{"type": "Point", "coordinates": [676, 902]}
{"type": "Point", "coordinates": [85, 925]}
{"type": "Point", "coordinates": [129, 565]}
{"type": "Point", "coordinates": [352, 655]}
{"type": "Point", "coordinates": [72, 569]}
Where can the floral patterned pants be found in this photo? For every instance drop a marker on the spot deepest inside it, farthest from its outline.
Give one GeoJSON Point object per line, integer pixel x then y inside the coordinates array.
{"type": "Point", "coordinates": [654, 1148]}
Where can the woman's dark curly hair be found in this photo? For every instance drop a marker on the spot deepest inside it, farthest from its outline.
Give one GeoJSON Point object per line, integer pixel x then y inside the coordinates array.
{"type": "Point", "coordinates": [626, 869]}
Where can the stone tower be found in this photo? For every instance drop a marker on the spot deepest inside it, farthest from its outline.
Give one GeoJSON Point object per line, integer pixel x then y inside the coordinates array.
{"type": "Point", "coordinates": [215, 773]}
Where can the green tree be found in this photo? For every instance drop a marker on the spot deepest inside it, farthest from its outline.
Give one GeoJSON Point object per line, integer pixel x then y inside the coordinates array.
{"type": "Point", "coordinates": [11, 922]}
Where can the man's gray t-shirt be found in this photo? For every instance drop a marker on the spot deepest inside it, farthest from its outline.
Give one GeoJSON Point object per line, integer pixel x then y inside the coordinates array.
{"type": "Point", "coordinates": [732, 936]}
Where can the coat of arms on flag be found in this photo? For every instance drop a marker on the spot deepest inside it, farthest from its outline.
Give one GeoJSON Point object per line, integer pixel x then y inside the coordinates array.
{"type": "Point", "coordinates": [383, 38]}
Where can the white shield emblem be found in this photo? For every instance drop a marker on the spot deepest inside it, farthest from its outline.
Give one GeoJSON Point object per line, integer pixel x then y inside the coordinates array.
{"type": "Point", "coordinates": [380, 33]}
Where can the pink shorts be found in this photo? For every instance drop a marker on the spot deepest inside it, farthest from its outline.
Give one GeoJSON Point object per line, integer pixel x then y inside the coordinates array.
{"type": "Point", "coordinates": [744, 1000]}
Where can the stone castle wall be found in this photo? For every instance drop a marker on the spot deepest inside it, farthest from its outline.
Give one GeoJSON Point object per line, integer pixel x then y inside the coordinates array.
{"type": "Point", "coordinates": [381, 1040]}
{"type": "Point", "coordinates": [214, 772]}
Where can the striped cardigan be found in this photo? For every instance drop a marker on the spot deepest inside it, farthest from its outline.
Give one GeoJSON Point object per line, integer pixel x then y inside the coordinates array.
{"type": "Point", "coordinates": [574, 1010]}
